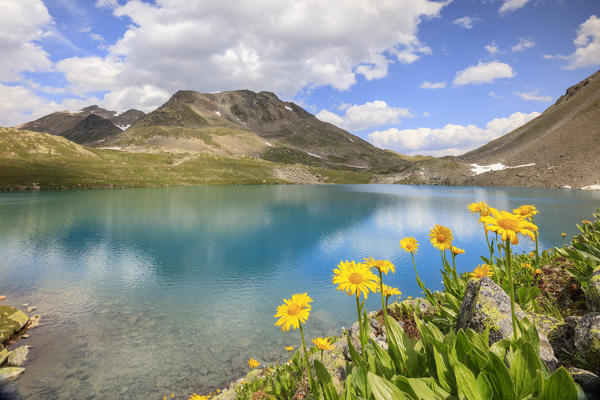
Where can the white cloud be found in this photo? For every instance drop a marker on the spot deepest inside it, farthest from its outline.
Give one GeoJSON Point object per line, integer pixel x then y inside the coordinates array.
{"type": "Point", "coordinates": [483, 73]}
{"type": "Point", "coordinates": [495, 95]}
{"type": "Point", "coordinates": [18, 104]}
{"type": "Point", "coordinates": [433, 85]}
{"type": "Point", "coordinates": [523, 45]}
{"type": "Point", "coordinates": [449, 140]}
{"type": "Point", "coordinates": [466, 22]}
{"type": "Point", "coordinates": [492, 48]}
{"type": "Point", "coordinates": [265, 45]}
{"type": "Point", "coordinates": [533, 96]}
{"type": "Point", "coordinates": [512, 5]}
{"type": "Point", "coordinates": [368, 115]}
{"type": "Point", "coordinates": [22, 23]}
{"type": "Point", "coordinates": [587, 45]}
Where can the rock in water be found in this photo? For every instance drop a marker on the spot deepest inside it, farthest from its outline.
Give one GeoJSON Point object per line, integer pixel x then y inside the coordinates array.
{"type": "Point", "coordinates": [3, 356]}
{"type": "Point", "coordinates": [485, 306]}
{"type": "Point", "coordinates": [10, 373]}
{"type": "Point", "coordinates": [592, 294]}
{"type": "Point", "coordinates": [18, 356]}
{"type": "Point", "coordinates": [11, 322]}
{"type": "Point", "coordinates": [587, 340]}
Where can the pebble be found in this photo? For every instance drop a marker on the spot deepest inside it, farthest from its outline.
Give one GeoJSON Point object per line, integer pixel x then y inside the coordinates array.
{"type": "Point", "coordinates": [26, 336]}
{"type": "Point", "coordinates": [2, 298]}
{"type": "Point", "coordinates": [25, 304]}
{"type": "Point", "coordinates": [31, 309]}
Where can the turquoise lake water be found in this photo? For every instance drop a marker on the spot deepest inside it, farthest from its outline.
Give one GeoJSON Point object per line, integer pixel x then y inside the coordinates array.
{"type": "Point", "coordinates": [148, 292]}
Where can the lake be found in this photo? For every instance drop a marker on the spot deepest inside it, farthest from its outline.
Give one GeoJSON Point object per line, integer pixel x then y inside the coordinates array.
{"type": "Point", "coordinates": [148, 292]}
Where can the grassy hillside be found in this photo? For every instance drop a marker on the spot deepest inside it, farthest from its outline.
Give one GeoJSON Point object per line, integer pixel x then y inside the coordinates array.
{"type": "Point", "coordinates": [31, 160]}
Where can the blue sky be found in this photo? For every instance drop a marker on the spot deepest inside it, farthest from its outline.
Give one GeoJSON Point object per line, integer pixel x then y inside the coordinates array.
{"type": "Point", "coordinates": [415, 76]}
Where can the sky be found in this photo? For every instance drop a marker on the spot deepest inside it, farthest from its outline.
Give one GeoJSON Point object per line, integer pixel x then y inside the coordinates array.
{"type": "Point", "coordinates": [414, 76]}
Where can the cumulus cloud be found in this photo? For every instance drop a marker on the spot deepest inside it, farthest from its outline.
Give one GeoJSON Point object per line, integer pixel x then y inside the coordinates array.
{"type": "Point", "coordinates": [266, 45]}
{"type": "Point", "coordinates": [450, 140]}
{"type": "Point", "coordinates": [512, 5]}
{"type": "Point", "coordinates": [587, 43]}
{"type": "Point", "coordinates": [533, 96]}
{"type": "Point", "coordinates": [22, 23]}
{"type": "Point", "coordinates": [483, 73]}
{"type": "Point", "coordinates": [433, 85]}
{"type": "Point", "coordinates": [466, 22]}
{"type": "Point", "coordinates": [523, 45]}
{"type": "Point", "coordinates": [492, 48]}
{"type": "Point", "coordinates": [368, 115]}
{"type": "Point", "coordinates": [19, 103]}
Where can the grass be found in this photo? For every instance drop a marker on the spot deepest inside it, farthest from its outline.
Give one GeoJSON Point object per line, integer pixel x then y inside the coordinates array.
{"type": "Point", "coordinates": [34, 160]}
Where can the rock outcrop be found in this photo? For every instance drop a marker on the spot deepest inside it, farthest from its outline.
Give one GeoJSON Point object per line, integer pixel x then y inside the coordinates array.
{"type": "Point", "coordinates": [592, 294]}
{"type": "Point", "coordinates": [587, 341]}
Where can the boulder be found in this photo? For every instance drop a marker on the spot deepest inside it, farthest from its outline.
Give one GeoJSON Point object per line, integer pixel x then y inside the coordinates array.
{"type": "Point", "coordinates": [18, 356]}
{"type": "Point", "coordinates": [11, 322]}
{"type": "Point", "coordinates": [487, 306]}
{"type": "Point", "coordinates": [3, 356]}
{"type": "Point", "coordinates": [560, 334]}
{"type": "Point", "coordinates": [592, 294]}
{"type": "Point", "coordinates": [587, 341]}
{"type": "Point", "coordinates": [589, 382]}
{"type": "Point", "coordinates": [10, 373]}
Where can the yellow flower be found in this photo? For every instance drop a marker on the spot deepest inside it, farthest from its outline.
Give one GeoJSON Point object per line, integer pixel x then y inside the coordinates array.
{"type": "Point", "coordinates": [355, 278]}
{"type": "Point", "coordinates": [538, 271]}
{"type": "Point", "coordinates": [252, 363]}
{"type": "Point", "coordinates": [322, 343]}
{"type": "Point", "coordinates": [172, 395]}
{"type": "Point", "coordinates": [526, 265]}
{"type": "Point", "coordinates": [409, 297]}
{"type": "Point", "coordinates": [198, 397]}
{"type": "Point", "coordinates": [390, 291]}
{"type": "Point", "coordinates": [481, 271]}
{"type": "Point", "coordinates": [409, 244]}
{"type": "Point", "coordinates": [563, 234]}
{"type": "Point", "coordinates": [481, 207]}
{"type": "Point", "coordinates": [526, 211]}
{"type": "Point", "coordinates": [289, 348]}
{"type": "Point", "coordinates": [293, 312]}
{"type": "Point", "coordinates": [383, 265]}
{"type": "Point", "coordinates": [441, 237]}
{"type": "Point", "coordinates": [456, 250]}
{"type": "Point", "coordinates": [585, 221]}
{"type": "Point", "coordinates": [509, 225]}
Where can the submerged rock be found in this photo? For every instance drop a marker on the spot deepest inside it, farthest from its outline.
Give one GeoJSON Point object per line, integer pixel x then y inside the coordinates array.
{"type": "Point", "coordinates": [18, 356]}
{"type": "Point", "coordinates": [592, 294]}
{"type": "Point", "coordinates": [587, 341]}
{"type": "Point", "coordinates": [3, 356]}
{"type": "Point", "coordinates": [487, 306]}
{"type": "Point", "coordinates": [10, 373]}
{"type": "Point", "coordinates": [11, 322]}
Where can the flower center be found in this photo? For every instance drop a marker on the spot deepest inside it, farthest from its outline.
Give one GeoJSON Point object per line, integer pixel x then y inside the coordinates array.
{"type": "Point", "coordinates": [441, 238]}
{"type": "Point", "coordinates": [294, 309]}
{"type": "Point", "coordinates": [524, 212]}
{"type": "Point", "coordinates": [355, 278]}
{"type": "Point", "coordinates": [508, 224]}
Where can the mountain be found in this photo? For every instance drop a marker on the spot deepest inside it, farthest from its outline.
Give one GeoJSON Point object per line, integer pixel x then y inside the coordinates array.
{"type": "Point", "coordinates": [100, 123]}
{"type": "Point", "coordinates": [260, 125]}
{"type": "Point", "coordinates": [559, 148]}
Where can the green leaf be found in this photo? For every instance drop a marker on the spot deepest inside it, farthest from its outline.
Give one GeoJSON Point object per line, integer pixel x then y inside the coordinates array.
{"type": "Point", "coordinates": [524, 369]}
{"type": "Point", "coordinates": [384, 363]}
{"type": "Point", "coordinates": [325, 381]}
{"type": "Point", "coordinates": [499, 376]}
{"type": "Point", "coordinates": [444, 375]}
{"type": "Point", "coordinates": [484, 386]}
{"type": "Point", "coordinates": [466, 383]}
{"type": "Point", "coordinates": [401, 348]}
{"type": "Point", "coordinates": [560, 386]}
{"type": "Point", "coordinates": [383, 389]}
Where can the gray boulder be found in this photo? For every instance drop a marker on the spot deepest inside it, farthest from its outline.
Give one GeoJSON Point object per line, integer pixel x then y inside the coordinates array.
{"type": "Point", "coordinates": [587, 341]}
{"type": "Point", "coordinates": [560, 334]}
{"type": "Point", "coordinates": [592, 294]}
{"type": "Point", "coordinates": [10, 373]}
{"type": "Point", "coordinates": [589, 382]}
{"type": "Point", "coordinates": [18, 356]}
{"type": "Point", "coordinates": [487, 306]}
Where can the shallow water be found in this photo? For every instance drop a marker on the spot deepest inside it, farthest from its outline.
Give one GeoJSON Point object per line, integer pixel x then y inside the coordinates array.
{"type": "Point", "coordinates": [147, 292]}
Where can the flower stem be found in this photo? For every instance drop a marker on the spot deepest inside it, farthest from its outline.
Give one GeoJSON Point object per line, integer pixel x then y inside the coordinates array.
{"type": "Point", "coordinates": [511, 288]}
{"type": "Point", "coordinates": [491, 254]}
{"type": "Point", "coordinates": [309, 371]}
{"type": "Point", "coordinates": [383, 306]}
{"type": "Point", "coordinates": [360, 326]}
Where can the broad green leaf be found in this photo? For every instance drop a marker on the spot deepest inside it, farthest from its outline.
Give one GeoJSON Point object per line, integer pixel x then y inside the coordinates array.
{"type": "Point", "coordinates": [325, 381]}
{"type": "Point", "coordinates": [466, 383]}
{"type": "Point", "coordinates": [499, 376]}
{"type": "Point", "coordinates": [524, 369]}
{"type": "Point", "coordinates": [384, 362]}
{"type": "Point", "coordinates": [383, 389]}
{"type": "Point", "coordinates": [484, 386]}
{"type": "Point", "coordinates": [444, 376]}
{"type": "Point", "coordinates": [560, 386]}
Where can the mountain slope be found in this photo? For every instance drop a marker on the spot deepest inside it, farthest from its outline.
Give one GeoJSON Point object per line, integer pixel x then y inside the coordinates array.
{"type": "Point", "coordinates": [86, 125]}
{"type": "Point", "coordinates": [254, 124]}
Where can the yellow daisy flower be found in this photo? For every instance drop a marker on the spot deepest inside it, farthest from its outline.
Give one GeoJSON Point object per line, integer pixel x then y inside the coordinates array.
{"type": "Point", "coordinates": [323, 343]}
{"type": "Point", "coordinates": [563, 234]}
{"type": "Point", "coordinates": [481, 271]}
{"type": "Point", "coordinates": [526, 211]}
{"type": "Point", "coordinates": [585, 221]}
{"type": "Point", "coordinates": [480, 207]}
{"type": "Point", "coordinates": [538, 271]}
{"type": "Point", "coordinates": [252, 363]}
{"type": "Point", "coordinates": [441, 237]}
{"type": "Point", "coordinates": [383, 265]}
{"type": "Point", "coordinates": [293, 311]}
{"type": "Point", "coordinates": [409, 244]}
{"type": "Point", "coordinates": [526, 265]}
{"type": "Point", "coordinates": [198, 397]}
{"type": "Point", "coordinates": [456, 250]}
{"type": "Point", "coordinates": [355, 278]}
{"type": "Point", "coordinates": [289, 348]}
{"type": "Point", "coordinates": [390, 291]}
{"type": "Point", "coordinates": [509, 225]}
